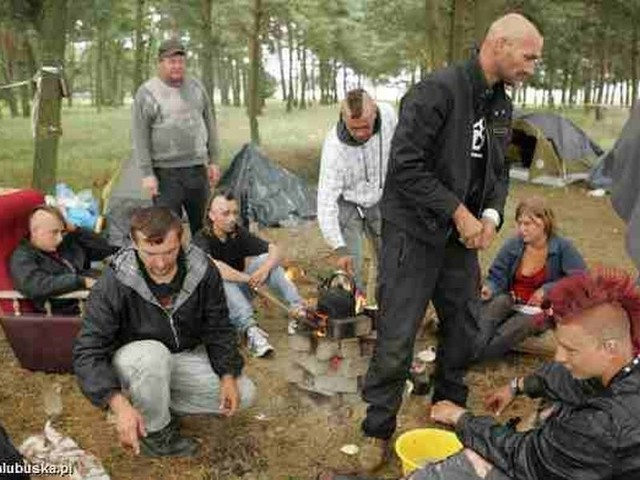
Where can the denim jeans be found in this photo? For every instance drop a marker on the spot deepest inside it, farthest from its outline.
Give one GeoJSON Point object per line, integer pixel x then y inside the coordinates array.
{"type": "Point", "coordinates": [239, 295]}
{"type": "Point", "coordinates": [157, 380]}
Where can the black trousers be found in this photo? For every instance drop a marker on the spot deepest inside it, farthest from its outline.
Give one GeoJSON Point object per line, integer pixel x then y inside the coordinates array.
{"type": "Point", "coordinates": [186, 187]}
{"type": "Point", "coordinates": [411, 273]}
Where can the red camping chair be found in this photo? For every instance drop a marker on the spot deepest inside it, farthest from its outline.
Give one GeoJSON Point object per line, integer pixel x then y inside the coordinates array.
{"type": "Point", "coordinates": [41, 342]}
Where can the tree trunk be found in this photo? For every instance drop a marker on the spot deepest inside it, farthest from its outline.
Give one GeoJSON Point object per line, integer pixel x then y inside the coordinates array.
{"type": "Point", "coordinates": [255, 58]}
{"type": "Point", "coordinates": [303, 78]}
{"type": "Point", "coordinates": [565, 87]}
{"type": "Point", "coordinates": [206, 54]}
{"type": "Point", "coordinates": [225, 74]}
{"type": "Point", "coordinates": [313, 81]}
{"type": "Point", "coordinates": [9, 92]}
{"type": "Point", "coordinates": [283, 82]}
{"type": "Point", "coordinates": [550, 83]}
{"type": "Point", "coordinates": [138, 63]}
{"type": "Point", "coordinates": [235, 74]}
{"type": "Point", "coordinates": [290, 47]}
{"type": "Point", "coordinates": [334, 80]}
{"type": "Point", "coordinates": [634, 64]}
{"type": "Point", "coordinates": [47, 128]}
{"type": "Point", "coordinates": [99, 94]}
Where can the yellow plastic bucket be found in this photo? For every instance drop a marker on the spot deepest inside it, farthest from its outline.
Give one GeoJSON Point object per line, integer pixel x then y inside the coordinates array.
{"type": "Point", "coordinates": [418, 447]}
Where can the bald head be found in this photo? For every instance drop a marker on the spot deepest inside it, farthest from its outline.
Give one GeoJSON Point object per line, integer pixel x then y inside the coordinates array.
{"type": "Point", "coordinates": [510, 50]}
{"type": "Point", "coordinates": [46, 227]}
{"type": "Point", "coordinates": [512, 26]}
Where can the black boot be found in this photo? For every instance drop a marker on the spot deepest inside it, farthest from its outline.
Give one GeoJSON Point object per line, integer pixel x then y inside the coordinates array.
{"type": "Point", "coordinates": [168, 443]}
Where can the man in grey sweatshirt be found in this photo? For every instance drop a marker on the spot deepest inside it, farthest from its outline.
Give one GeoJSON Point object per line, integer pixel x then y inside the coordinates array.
{"type": "Point", "coordinates": [174, 140]}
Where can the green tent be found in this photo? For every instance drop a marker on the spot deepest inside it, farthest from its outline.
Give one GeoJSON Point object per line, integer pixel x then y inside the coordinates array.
{"type": "Point", "coordinates": [549, 149]}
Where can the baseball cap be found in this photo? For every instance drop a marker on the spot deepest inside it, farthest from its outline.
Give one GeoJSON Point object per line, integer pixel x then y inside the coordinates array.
{"type": "Point", "coordinates": [170, 47]}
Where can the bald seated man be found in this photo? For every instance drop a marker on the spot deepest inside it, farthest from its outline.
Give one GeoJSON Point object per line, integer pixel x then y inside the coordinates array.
{"type": "Point", "coordinates": [443, 200]}
{"type": "Point", "coordinates": [55, 258]}
{"type": "Point", "coordinates": [246, 262]}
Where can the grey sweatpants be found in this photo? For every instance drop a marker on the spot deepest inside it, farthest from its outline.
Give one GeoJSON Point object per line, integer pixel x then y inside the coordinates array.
{"type": "Point", "coordinates": [157, 380]}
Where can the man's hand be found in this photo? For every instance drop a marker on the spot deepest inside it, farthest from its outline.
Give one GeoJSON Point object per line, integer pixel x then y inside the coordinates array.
{"type": "Point", "coordinates": [447, 412]}
{"type": "Point", "coordinates": [257, 278]}
{"type": "Point", "coordinates": [346, 263]}
{"type": "Point", "coordinates": [488, 233]}
{"type": "Point", "coordinates": [229, 395]}
{"type": "Point", "coordinates": [89, 282]}
{"type": "Point", "coordinates": [500, 399]}
{"type": "Point", "coordinates": [536, 298]}
{"type": "Point", "coordinates": [150, 185]}
{"type": "Point", "coordinates": [485, 292]}
{"type": "Point", "coordinates": [213, 173]}
{"type": "Point", "coordinates": [129, 422]}
{"type": "Point", "coordinates": [468, 226]}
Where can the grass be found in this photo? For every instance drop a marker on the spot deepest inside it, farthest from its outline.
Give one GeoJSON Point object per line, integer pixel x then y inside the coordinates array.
{"type": "Point", "coordinates": [93, 144]}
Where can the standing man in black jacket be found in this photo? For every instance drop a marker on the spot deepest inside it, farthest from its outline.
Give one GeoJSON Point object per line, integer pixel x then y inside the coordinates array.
{"type": "Point", "coordinates": [157, 336]}
{"type": "Point", "coordinates": [443, 199]}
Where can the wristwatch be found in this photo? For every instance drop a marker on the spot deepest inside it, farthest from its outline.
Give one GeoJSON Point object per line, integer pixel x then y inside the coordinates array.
{"type": "Point", "coordinates": [514, 386]}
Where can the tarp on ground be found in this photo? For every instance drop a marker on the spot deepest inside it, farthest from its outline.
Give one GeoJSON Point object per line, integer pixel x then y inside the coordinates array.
{"type": "Point", "coordinates": [121, 196]}
{"type": "Point", "coordinates": [268, 193]}
{"type": "Point", "coordinates": [550, 149]}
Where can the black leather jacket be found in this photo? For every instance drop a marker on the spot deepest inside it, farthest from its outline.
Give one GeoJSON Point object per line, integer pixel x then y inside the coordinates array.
{"type": "Point", "coordinates": [430, 164]}
{"type": "Point", "coordinates": [39, 276]}
{"type": "Point", "coordinates": [594, 433]}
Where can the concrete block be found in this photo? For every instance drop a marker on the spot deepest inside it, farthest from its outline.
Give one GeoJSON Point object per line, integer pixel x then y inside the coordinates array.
{"type": "Point", "coordinates": [311, 364]}
{"type": "Point", "coordinates": [349, 367]}
{"type": "Point", "coordinates": [350, 398]}
{"type": "Point", "coordinates": [295, 373]}
{"type": "Point", "coordinates": [350, 348]}
{"type": "Point", "coordinates": [327, 348]}
{"type": "Point", "coordinates": [299, 343]}
{"type": "Point", "coordinates": [336, 384]}
{"type": "Point", "coordinates": [367, 345]}
{"type": "Point", "coordinates": [364, 326]}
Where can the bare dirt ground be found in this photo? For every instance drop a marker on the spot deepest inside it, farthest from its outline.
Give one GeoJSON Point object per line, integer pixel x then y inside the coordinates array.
{"type": "Point", "coordinates": [284, 436]}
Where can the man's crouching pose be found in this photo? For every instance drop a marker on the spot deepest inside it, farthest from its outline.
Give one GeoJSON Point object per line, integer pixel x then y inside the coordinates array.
{"type": "Point", "coordinates": [157, 340]}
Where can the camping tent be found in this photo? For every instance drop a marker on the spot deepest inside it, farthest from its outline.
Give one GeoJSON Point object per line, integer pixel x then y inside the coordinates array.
{"type": "Point", "coordinates": [550, 149]}
{"type": "Point", "coordinates": [121, 196]}
{"type": "Point", "coordinates": [268, 194]}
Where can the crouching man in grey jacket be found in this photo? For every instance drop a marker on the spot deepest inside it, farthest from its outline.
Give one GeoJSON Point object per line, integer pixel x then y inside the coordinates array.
{"type": "Point", "coordinates": [156, 339]}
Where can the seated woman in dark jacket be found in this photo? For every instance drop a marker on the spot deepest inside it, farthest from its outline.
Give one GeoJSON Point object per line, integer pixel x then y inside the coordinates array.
{"type": "Point", "coordinates": [55, 259]}
{"type": "Point", "coordinates": [524, 270]}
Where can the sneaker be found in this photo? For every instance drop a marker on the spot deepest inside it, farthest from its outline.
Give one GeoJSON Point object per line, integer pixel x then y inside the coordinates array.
{"type": "Point", "coordinates": [257, 342]}
{"type": "Point", "coordinates": [168, 443]}
{"type": "Point", "coordinates": [292, 327]}
{"type": "Point", "coordinates": [373, 454]}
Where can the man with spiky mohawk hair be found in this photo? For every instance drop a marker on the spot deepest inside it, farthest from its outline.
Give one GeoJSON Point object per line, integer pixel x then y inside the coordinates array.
{"type": "Point", "coordinates": [353, 167]}
{"type": "Point", "coordinates": [592, 431]}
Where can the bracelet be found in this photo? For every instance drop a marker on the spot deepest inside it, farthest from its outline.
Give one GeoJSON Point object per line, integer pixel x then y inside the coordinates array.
{"type": "Point", "coordinates": [514, 386]}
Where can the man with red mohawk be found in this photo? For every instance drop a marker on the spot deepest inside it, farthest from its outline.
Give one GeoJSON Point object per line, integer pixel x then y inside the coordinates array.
{"type": "Point", "coordinates": [593, 429]}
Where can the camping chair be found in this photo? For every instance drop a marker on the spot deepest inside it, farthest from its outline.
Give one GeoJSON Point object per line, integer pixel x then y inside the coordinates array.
{"type": "Point", "coordinates": [41, 342]}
